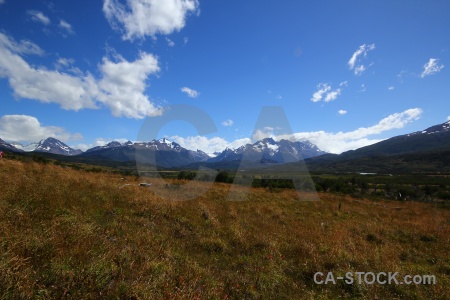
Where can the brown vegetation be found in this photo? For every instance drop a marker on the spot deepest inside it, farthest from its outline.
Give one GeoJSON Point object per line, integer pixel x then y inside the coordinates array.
{"type": "Point", "coordinates": [76, 235]}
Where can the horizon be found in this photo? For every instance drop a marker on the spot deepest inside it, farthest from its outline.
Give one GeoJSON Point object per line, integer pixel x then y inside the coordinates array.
{"type": "Point", "coordinates": [91, 73]}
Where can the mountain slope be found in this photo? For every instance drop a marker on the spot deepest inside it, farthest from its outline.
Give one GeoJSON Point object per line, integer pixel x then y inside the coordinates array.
{"type": "Point", "coordinates": [8, 147]}
{"type": "Point", "coordinates": [165, 153]}
{"type": "Point", "coordinates": [433, 138]}
{"type": "Point", "coordinates": [268, 150]}
{"type": "Point", "coordinates": [421, 151]}
{"type": "Point", "coordinates": [52, 145]}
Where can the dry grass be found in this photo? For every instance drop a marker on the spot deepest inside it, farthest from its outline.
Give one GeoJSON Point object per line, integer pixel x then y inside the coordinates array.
{"type": "Point", "coordinates": [75, 235]}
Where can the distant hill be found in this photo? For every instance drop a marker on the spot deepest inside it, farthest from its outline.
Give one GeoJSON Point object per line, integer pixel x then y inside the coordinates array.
{"type": "Point", "coordinates": [421, 151]}
{"type": "Point", "coordinates": [433, 138]}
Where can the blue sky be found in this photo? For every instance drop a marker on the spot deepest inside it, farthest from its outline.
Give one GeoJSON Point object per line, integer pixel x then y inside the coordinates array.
{"type": "Point", "coordinates": [347, 73]}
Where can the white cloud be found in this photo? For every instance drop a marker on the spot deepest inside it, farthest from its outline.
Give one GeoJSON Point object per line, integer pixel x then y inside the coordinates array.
{"type": "Point", "coordinates": [123, 84]}
{"type": "Point", "coordinates": [363, 88]}
{"type": "Point", "coordinates": [448, 118]}
{"type": "Point", "coordinates": [324, 92]}
{"type": "Point", "coordinates": [38, 16]}
{"type": "Point", "coordinates": [65, 61]}
{"type": "Point", "coordinates": [354, 62]}
{"type": "Point", "coordinates": [140, 18]}
{"type": "Point", "coordinates": [41, 84]}
{"type": "Point", "coordinates": [266, 132]}
{"type": "Point", "coordinates": [208, 145]}
{"type": "Point", "coordinates": [228, 122]}
{"type": "Point", "coordinates": [344, 141]}
{"type": "Point", "coordinates": [322, 88]}
{"type": "Point", "coordinates": [431, 67]}
{"type": "Point", "coordinates": [170, 43]}
{"type": "Point", "coordinates": [2, 1]}
{"type": "Point", "coordinates": [391, 88]}
{"type": "Point", "coordinates": [23, 128]}
{"type": "Point", "coordinates": [326, 141]}
{"type": "Point", "coordinates": [343, 83]}
{"type": "Point", "coordinates": [66, 27]}
{"type": "Point", "coordinates": [359, 70]}
{"type": "Point", "coordinates": [331, 96]}
{"type": "Point", "coordinates": [185, 40]}
{"type": "Point", "coordinates": [342, 112]}
{"type": "Point", "coordinates": [121, 87]}
{"type": "Point", "coordinates": [22, 47]}
{"type": "Point", "coordinates": [190, 92]}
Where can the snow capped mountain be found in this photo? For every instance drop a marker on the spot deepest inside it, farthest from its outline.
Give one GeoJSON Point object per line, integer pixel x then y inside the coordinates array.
{"type": "Point", "coordinates": [268, 150]}
{"type": "Point", "coordinates": [8, 147]}
{"type": "Point", "coordinates": [52, 145]}
{"type": "Point", "coordinates": [110, 145]}
{"type": "Point", "coordinates": [49, 145]}
{"type": "Point", "coordinates": [165, 152]}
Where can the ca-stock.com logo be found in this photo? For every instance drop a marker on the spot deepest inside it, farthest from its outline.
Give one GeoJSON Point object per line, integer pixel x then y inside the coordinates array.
{"type": "Point", "coordinates": [272, 117]}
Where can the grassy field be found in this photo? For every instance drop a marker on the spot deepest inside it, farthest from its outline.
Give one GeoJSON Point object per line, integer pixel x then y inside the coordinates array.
{"type": "Point", "coordinates": [68, 234]}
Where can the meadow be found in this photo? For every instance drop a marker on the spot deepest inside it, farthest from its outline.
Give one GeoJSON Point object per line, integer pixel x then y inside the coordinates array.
{"type": "Point", "coordinates": [72, 234]}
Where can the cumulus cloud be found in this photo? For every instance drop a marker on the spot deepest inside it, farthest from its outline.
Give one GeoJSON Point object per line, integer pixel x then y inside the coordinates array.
{"type": "Point", "coordinates": [24, 129]}
{"type": "Point", "coordinates": [354, 62]}
{"type": "Point", "coordinates": [325, 92]}
{"type": "Point", "coordinates": [141, 18]}
{"type": "Point", "coordinates": [228, 122]}
{"type": "Point", "coordinates": [39, 17]}
{"type": "Point", "coordinates": [448, 118]}
{"type": "Point", "coordinates": [342, 112]}
{"type": "Point", "coordinates": [123, 84]}
{"type": "Point", "coordinates": [41, 84]}
{"type": "Point", "coordinates": [391, 88]}
{"type": "Point", "coordinates": [190, 92]}
{"type": "Point", "coordinates": [121, 87]}
{"type": "Point", "coordinates": [431, 67]}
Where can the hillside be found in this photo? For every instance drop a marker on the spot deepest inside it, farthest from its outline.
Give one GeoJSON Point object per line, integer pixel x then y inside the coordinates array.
{"type": "Point", "coordinates": [71, 234]}
{"type": "Point", "coordinates": [436, 137]}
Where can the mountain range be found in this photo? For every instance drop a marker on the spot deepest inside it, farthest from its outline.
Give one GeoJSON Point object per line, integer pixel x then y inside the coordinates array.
{"type": "Point", "coordinates": [168, 154]}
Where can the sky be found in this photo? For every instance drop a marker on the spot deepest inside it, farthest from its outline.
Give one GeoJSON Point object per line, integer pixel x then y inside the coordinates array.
{"type": "Point", "coordinates": [346, 74]}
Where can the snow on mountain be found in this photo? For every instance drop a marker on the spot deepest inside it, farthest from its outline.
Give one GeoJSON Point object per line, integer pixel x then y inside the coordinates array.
{"type": "Point", "coordinates": [440, 128]}
{"type": "Point", "coordinates": [444, 127]}
{"type": "Point", "coordinates": [270, 151]}
{"type": "Point", "coordinates": [165, 152]}
{"type": "Point", "coordinates": [26, 148]}
{"type": "Point", "coordinates": [8, 147]}
{"type": "Point", "coordinates": [52, 145]}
